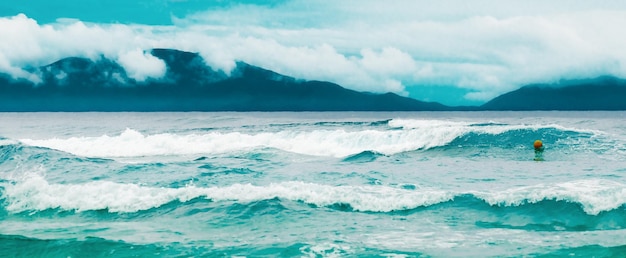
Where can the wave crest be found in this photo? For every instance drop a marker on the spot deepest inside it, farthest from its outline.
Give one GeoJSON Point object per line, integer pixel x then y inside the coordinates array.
{"type": "Point", "coordinates": [34, 193]}
{"type": "Point", "coordinates": [399, 136]}
{"type": "Point", "coordinates": [594, 196]}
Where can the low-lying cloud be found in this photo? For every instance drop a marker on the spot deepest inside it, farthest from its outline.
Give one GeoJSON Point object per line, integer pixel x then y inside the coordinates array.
{"type": "Point", "coordinates": [141, 65]}
{"type": "Point", "coordinates": [359, 48]}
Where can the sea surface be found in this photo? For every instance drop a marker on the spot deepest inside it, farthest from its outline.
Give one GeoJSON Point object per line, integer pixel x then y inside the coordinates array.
{"type": "Point", "coordinates": [331, 184]}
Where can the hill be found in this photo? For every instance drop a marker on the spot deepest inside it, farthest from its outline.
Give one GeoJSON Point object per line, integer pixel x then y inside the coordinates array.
{"type": "Point", "coordinates": [80, 84]}
{"type": "Point", "coordinates": [603, 93]}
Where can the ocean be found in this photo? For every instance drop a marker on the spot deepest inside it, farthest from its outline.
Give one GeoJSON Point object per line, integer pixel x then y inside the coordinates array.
{"type": "Point", "coordinates": [312, 184]}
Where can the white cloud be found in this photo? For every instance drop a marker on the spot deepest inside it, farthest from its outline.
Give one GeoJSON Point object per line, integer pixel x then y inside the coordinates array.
{"type": "Point", "coordinates": [487, 47]}
{"type": "Point", "coordinates": [31, 44]}
{"type": "Point", "coordinates": [140, 65]}
{"type": "Point", "coordinates": [388, 61]}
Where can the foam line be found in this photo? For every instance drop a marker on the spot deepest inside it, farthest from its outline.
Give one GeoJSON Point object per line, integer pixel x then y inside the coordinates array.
{"type": "Point", "coordinates": [593, 195]}
{"type": "Point", "coordinates": [36, 194]}
{"type": "Point", "coordinates": [414, 135]}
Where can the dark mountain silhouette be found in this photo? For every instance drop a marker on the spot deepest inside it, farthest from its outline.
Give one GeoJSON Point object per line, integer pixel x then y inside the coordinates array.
{"type": "Point", "coordinates": [80, 84]}
{"type": "Point", "coordinates": [603, 93]}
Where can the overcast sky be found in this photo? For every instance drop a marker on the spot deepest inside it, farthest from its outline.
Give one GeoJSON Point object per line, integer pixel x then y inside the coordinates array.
{"type": "Point", "coordinates": [453, 52]}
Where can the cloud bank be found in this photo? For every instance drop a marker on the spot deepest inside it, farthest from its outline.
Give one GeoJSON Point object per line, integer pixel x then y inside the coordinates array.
{"type": "Point", "coordinates": [484, 49]}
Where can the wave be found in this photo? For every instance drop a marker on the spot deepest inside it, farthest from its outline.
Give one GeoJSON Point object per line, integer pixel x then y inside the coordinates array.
{"type": "Point", "coordinates": [16, 154]}
{"type": "Point", "coordinates": [354, 123]}
{"type": "Point", "coordinates": [594, 196]}
{"type": "Point", "coordinates": [586, 251]}
{"type": "Point", "coordinates": [274, 127]}
{"type": "Point", "coordinates": [365, 156]}
{"type": "Point", "coordinates": [17, 157]}
{"type": "Point", "coordinates": [34, 193]}
{"type": "Point", "coordinates": [5, 142]}
{"type": "Point", "coordinates": [397, 137]}
{"type": "Point", "coordinates": [20, 246]}
{"type": "Point", "coordinates": [6, 151]}
{"type": "Point", "coordinates": [497, 134]}
{"type": "Point", "coordinates": [334, 143]}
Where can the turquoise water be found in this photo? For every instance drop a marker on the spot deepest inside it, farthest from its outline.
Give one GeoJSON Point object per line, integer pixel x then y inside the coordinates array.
{"type": "Point", "coordinates": [458, 184]}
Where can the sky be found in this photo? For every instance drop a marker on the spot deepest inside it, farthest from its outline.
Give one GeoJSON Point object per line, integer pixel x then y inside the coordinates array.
{"type": "Point", "coordinates": [451, 51]}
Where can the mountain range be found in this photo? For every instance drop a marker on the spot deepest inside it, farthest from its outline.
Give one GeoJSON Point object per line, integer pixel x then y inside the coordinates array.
{"type": "Point", "coordinates": [81, 84]}
{"type": "Point", "coordinates": [602, 93]}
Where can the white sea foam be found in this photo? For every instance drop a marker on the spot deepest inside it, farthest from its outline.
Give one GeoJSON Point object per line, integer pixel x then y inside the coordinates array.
{"type": "Point", "coordinates": [594, 195]}
{"type": "Point", "coordinates": [34, 193]}
{"type": "Point", "coordinates": [330, 250]}
{"type": "Point", "coordinates": [415, 134]}
{"type": "Point", "coordinates": [489, 128]}
{"type": "Point", "coordinates": [334, 143]}
{"type": "Point", "coordinates": [4, 142]}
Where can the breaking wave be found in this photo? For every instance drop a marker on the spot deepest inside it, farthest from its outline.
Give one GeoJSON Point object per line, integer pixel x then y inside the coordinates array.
{"type": "Point", "coordinates": [34, 193]}
{"type": "Point", "coordinates": [397, 137]}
